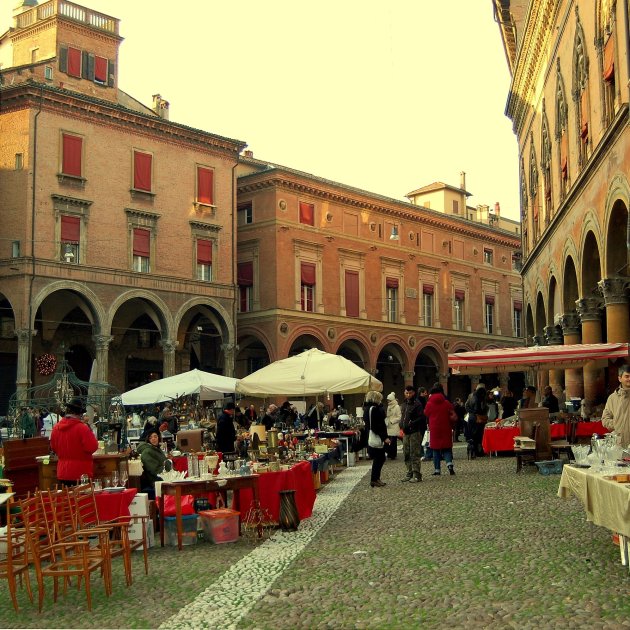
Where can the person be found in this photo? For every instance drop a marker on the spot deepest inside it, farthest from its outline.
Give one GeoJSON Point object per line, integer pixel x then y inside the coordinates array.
{"type": "Point", "coordinates": [226, 433]}
{"type": "Point", "coordinates": [549, 400]}
{"type": "Point", "coordinates": [529, 398]}
{"type": "Point", "coordinates": [154, 462]}
{"type": "Point", "coordinates": [508, 402]}
{"type": "Point", "coordinates": [151, 423]}
{"type": "Point", "coordinates": [441, 418]}
{"type": "Point", "coordinates": [287, 414]}
{"type": "Point", "coordinates": [616, 415]}
{"type": "Point", "coordinates": [413, 424]}
{"type": "Point", "coordinates": [28, 428]}
{"type": "Point", "coordinates": [493, 407]}
{"type": "Point", "coordinates": [251, 415]}
{"type": "Point", "coordinates": [425, 450]}
{"type": "Point", "coordinates": [393, 425]}
{"type": "Point", "coordinates": [458, 406]}
{"type": "Point", "coordinates": [374, 419]}
{"type": "Point", "coordinates": [315, 415]}
{"type": "Point", "coordinates": [168, 416]}
{"type": "Point", "coordinates": [74, 443]}
{"type": "Point", "coordinates": [240, 419]}
{"type": "Point", "coordinates": [269, 419]}
{"type": "Point", "coordinates": [477, 409]}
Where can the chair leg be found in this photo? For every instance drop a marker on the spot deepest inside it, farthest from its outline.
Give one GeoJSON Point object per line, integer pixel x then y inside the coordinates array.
{"type": "Point", "coordinates": [88, 592]}
{"type": "Point", "coordinates": [12, 590]}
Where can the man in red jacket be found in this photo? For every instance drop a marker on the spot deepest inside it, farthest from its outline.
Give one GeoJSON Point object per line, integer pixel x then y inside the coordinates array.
{"type": "Point", "coordinates": [74, 443]}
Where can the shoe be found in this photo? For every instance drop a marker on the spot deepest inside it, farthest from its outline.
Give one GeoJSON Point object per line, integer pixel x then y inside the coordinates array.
{"type": "Point", "coordinates": [451, 470]}
{"type": "Point", "coordinates": [437, 473]}
{"type": "Point", "coordinates": [377, 484]}
{"type": "Point", "coordinates": [415, 479]}
{"type": "Point", "coordinates": [426, 459]}
{"type": "Point", "coordinates": [407, 478]}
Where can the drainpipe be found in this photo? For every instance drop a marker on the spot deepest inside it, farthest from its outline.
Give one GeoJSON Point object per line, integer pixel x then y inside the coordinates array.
{"type": "Point", "coordinates": [234, 265]}
{"type": "Point", "coordinates": [627, 29]}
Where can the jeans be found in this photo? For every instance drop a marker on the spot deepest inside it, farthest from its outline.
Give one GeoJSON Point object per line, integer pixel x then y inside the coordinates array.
{"type": "Point", "coordinates": [442, 453]}
{"type": "Point", "coordinates": [378, 459]}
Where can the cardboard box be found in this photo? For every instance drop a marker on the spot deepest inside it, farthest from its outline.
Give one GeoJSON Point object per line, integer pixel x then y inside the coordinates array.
{"type": "Point", "coordinates": [140, 505]}
{"type": "Point", "coordinates": [135, 532]}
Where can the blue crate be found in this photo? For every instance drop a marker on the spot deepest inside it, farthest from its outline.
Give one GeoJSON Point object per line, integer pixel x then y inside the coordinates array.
{"type": "Point", "coordinates": [550, 467]}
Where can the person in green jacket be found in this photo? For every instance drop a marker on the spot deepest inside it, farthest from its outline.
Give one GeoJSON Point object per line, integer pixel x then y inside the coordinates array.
{"type": "Point", "coordinates": [154, 462]}
{"type": "Point", "coordinates": [27, 423]}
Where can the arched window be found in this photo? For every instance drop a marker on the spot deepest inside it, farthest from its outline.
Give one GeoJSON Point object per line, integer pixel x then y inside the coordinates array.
{"type": "Point", "coordinates": [562, 132]}
{"type": "Point", "coordinates": [533, 189]}
{"type": "Point", "coordinates": [607, 54]}
{"type": "Point", "coordinates": [581, 93]}
{"type": "Point", "coordinates": [545, 167]}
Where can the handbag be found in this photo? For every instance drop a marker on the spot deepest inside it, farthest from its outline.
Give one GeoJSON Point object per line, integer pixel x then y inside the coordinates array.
{"type": "Point", "coordinates": [374, 440]}
{"type": "Point", "coordinates": [426, 438]}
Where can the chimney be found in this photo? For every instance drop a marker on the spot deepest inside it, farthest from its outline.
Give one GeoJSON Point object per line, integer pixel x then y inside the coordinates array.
{"type": "Point", "coordinates": [160, 106]}
{"type": "Point", "coordinates": [248, 154]}
{"type": "Point", "coordinates": [497, 208]}
{"type": "Point", "coordinates": [462, 180]}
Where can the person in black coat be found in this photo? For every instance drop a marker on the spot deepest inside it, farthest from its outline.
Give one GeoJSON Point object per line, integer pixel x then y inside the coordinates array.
{"type": "Point", "coordinates": [477, 409]}
{"type": "Point", "coordinates": [374, 419]}
{"type": "Point", "coordinates": [550, 401]}
{"type": "Point", "coordinates": [226, 433]}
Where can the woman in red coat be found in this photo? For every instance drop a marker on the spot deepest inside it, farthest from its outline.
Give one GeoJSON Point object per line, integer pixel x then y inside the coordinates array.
{"type": "Point", "coordinates": [74, 443]}
{"type": "Point", "coordinates": [442, 418]}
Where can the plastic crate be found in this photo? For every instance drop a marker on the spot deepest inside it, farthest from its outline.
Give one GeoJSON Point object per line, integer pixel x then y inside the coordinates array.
{"type": "Point", "coordinates": [189, 530]}
{"type": "Point", "coordinates": [220, 526]}
{"type": "Point", "coordinates": [551, 467]}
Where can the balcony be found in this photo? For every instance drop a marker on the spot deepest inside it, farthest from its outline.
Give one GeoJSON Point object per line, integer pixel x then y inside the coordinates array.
{"type": "Point", "coordinates": [68, 10]}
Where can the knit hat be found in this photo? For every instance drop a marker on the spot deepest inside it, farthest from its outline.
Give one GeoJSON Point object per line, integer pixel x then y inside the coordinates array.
{"type": "Point", "coordinates": [391, 396]}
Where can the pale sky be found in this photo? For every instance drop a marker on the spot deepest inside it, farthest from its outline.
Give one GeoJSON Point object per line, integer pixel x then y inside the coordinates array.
{"type": "Point", "coordinates": [383, 95]}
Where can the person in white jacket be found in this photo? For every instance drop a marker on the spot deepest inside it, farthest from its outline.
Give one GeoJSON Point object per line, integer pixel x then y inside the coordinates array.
{"type": "Point", "coordinates": [392, 419]}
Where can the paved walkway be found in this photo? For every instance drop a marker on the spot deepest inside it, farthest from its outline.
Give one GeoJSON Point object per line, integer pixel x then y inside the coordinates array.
{"type": "Point", "coordinates": [484, 549]}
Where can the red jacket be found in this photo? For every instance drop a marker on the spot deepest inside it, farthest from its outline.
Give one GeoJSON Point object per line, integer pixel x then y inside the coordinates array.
{"type": "Point", "coordinates": [438, 411]}
{"type": "Point", "coordinates": [74, 443]}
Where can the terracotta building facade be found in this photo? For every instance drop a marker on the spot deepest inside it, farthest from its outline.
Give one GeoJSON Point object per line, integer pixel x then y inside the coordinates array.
{"type": "Point", "coordinates": [569, 104]}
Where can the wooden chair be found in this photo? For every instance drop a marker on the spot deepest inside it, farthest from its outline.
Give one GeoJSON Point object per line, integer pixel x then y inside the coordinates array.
{"type": "Point", "coordinates": [14, 560]}
{"type": "Point", "coordinates": [527, 455]}
{"type": "Point", "coordinates": [534, 423]}
{"type": "Point", "coordinates": [560, 446]}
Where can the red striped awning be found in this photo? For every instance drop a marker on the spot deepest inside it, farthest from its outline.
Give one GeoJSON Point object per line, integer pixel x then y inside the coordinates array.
{"type": "Point", "coordinates": [523, 358]}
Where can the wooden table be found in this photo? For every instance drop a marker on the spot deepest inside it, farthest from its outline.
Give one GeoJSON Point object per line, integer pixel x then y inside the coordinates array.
{"type": "Point", "coordinates": [203, 487]}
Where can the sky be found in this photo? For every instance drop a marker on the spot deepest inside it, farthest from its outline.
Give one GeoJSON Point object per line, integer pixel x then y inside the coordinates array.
{"type": "Point", "coordinates": [383, 95]}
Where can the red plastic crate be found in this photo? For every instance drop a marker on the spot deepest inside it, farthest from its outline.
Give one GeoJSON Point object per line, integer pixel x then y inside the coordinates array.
{"type": "Point", "coordinates": [220, 526]}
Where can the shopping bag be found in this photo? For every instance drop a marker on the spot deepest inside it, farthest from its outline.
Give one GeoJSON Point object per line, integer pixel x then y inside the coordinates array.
{"type": "Point", "coordinates": [425, 439]}
{"type": "Point", "coordinates": [187, 503]}
{"type": "Point", "coordinates": [374, 440]}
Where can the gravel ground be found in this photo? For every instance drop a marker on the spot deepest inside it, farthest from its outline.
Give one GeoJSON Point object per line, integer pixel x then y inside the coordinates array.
{"type": "Point", "coordinates": [486, 548]}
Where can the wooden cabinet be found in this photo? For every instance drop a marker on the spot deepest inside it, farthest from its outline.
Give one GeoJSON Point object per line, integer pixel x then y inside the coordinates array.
{"type": "Point", "coordinates": [20, 465]}
{"type": "Point", "coordinates": [104, 466]}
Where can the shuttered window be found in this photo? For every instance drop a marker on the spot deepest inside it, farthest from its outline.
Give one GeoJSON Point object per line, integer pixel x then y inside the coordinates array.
{"type": "Point", "coordinates": [100, 69]}
{"type": "Point", "coordinates": [72, 148]}
{"type": "Point", "coordinates": [352, 293]}
{"type": "Point", "coordinates": [307, 213]}
{"type": "Point", "coordinates": [74, 62]}
{"type": "Point", "coordinates": [205, 183]}
{"type": "Point", "coordinates": [142, 166]}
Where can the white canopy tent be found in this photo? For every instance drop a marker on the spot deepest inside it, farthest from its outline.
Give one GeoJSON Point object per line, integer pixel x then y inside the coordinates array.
{"type": "Point", "coordinates": [310, 373]}
{"type": "Point", "coordinates": [207, 385]}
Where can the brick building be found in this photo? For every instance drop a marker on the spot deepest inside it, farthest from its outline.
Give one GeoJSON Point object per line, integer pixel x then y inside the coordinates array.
{"type": "Point", "coordinates": [568, 101]}
{"type": "Point", "coordinates": [118, 225]}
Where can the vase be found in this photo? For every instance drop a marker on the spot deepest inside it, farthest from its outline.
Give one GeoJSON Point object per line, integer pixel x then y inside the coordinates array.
{"type": "Point", "coordinates": [289, 518]}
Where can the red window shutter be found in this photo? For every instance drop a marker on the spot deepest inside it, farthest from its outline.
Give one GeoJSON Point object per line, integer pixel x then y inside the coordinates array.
{"type": "Point", "coordinates": [71, 161]}
{"type": "Point", "coordinates": [142, 170]}
{"type": "Point", "coordinates": [307, 213]}
{"type": "Point", "coordinates": [204, 252]}
{"type": "Point", "coordinates": [535, 207]}
{"type": "Point", "coordinates": [141, 243]}
{"type": "Point", "coordinates": [245, 274]}
{"type": "Point", "coordinates": [70, 229]}
{"type": "Point", "coordinates": [609, 60]}
{"type": "Point", "coordinates": [489, 299]}
{"type": "Point", "coordinates": [584, 114]}
{"type": "Point", "coordinates": [244, 302]}
{"type": "Point", "coordinates": [204, 185]}
{"type": "Point", "coordinates": [352, 293]}
{"type": "Point", "coordinates": [518, 306]}
{"type": "Point", "coordinates": [564, 142]}
{"type": "Point", "coordinates": [100, 69]}
{"type": "Point", "coordinates": [74, 62]}
{"type": "Point", "coordinates": [307, 272]}
{"type": "Point", "coordinates": [460, 295]}
{"type": "Point", "coordinates": [427, 289]}
{"type": "Point", "coordinates": [391, 283]}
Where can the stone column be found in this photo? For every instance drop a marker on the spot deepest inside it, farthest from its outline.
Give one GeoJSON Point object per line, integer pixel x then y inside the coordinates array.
{"type": "Point", "coordinates": [408, 376]}
{"type": "Point", "coordinates": [24, 336]}
{"type": "Point", "coordinates": [443, 380]}
{"type": "Point", "coordinates": [553, 336]}
{"type": "Point", "coordinates": [573, 377]}
{"type": "Point", "coordinates": [590, 312]}
{"type": "Point", "coordinates": [474, 381]}
{"type": "Point", "coordinates": [168, 349]}
{"type": "Point", "coordinates": [101, 344]}
{"type": "Point", "coordinates": [504, 379]}
{"type": "Point", "coordinates": [229, 358]}
{"type": "Point", "coordinates": [616, 300]}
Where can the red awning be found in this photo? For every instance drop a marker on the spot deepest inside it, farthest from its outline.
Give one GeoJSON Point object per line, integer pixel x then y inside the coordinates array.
{"type": "Point", "coordinates": [523, 358]}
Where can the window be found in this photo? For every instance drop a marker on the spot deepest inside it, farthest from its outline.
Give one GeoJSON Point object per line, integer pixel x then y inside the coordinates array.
{"type": "Point", "coordinates": [391, 299]}
{"type": "Point", "coordinates": [608, 75]}
{"type": "Point", "coordinates": [19, 161]}
{"type": "Point", "coordinates": [455, 206]}
{"type": "Point", "coordinates": [48, 73]}
{"type": "Point", "coordinates": [307, 213]}
{"type": "Point", "coordinates": [518, 319]}
{"type": "Point", "coordinates": [204, 260]}
{"type": "Point", "coordinates": [245, 280]}
{"type": "Point", "coordinates": [142, 171]}
{"type": "Point", "coordinates": [489, 314]}
{"type": "Point", "coordinates": [245, 214]}
{"type": "Point", "coordinates": [141, 250]}
{"type": "Point", "coordinates": [100, 69]}
{"type": "Point", "coordinates": [352, 293]}
{"type": "Point", "coordinates": [70, 238]}
{"type": "Point", "coordinates": [205, 186]}
{"type": "Point", "coordinates": [74, 62]}
{"type": "Point", "coordinates": [458, 304]}
{"type": "Point", "coordinates": [307, 287]}
{"type": "Point", "coordinates": [487, 256]}
{"type": "Point", "coordinates": [427, 304]}
{"type": "Point", "coordinates": [72, 153]}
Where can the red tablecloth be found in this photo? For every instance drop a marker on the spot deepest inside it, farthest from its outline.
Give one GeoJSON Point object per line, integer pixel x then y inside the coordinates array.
{"type": "Point", "coordinates": [111, 505]}
{"type": "Point", "coordinates": [298, 478]}
{"type": "Point", "coordinates": [503, 439]}
{"type": "Point", "coordinates": [180, 463]}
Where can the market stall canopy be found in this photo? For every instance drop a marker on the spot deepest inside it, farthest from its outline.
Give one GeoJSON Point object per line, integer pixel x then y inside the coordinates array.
{"type": "Point", "coordinates": [207, 385]}
{"type": "Point", "coordinates": [310, 373]}
{"type": "Point", "coordinates": [522, 358]}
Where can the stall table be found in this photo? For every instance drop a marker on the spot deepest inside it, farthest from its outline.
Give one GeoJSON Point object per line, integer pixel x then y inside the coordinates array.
{"type": "Point", "coordinates": [112, 505]}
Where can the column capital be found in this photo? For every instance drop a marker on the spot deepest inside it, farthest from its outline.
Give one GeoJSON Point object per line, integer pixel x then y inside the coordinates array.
{"type": "Point", "coordinates": [24, 334]}
{"type": "Point", "coordinates": [614, 290]}
{"type": "Point", "coordinates": [589, 309]}
{"type": "Point", "coordinates": [101, 342]}
{"type": "Point", "coordinates": [570, 323]}
{"type": "Point", "coordinates": [553, 335]}
{"type": "Point", "coordinates": [229, 347]}
{"type": "Point", "coordinates": [408, 376]}
{"type": "Point", "coordinates": [168, 345]}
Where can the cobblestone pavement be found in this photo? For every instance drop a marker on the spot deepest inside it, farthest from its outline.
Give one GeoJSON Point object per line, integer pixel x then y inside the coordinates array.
{"type": "Point", "coordinates": [486, 548]}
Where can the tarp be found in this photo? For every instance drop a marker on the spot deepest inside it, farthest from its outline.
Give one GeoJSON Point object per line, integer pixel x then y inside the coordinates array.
{"type": "Point", "coordinates": [310, 373]}
{"type": "Point", "coordinates": [523, 358]}
{"type": "Point", "coordinates": [209, 387]}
